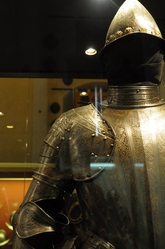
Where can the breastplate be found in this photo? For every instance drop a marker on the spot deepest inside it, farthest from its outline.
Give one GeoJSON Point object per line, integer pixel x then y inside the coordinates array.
{"type": "Point", "coordinates": [125, 203]}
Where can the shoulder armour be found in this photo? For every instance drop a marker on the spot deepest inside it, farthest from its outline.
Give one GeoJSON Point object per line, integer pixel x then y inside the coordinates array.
{"type": "Point", "coordinates": [92, 143]}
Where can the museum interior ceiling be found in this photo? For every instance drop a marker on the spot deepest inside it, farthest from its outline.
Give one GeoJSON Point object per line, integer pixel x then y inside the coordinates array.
{"type": "Point", "coordinates": [47, 38]}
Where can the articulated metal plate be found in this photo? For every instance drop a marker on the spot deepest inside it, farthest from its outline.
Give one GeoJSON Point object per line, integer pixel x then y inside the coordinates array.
{"type": "Point", "coordinates": [32, 220]}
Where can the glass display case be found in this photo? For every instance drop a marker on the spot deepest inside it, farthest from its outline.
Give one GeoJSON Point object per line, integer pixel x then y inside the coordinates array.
{"type": "Point", "coordinates": [45, 70]}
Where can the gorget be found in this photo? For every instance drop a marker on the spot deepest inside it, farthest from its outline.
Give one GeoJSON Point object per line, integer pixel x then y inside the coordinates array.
{"type": "Point", "coordinates": [133, 96]}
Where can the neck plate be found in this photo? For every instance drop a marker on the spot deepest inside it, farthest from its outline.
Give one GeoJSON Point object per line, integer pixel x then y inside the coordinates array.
{"type": "Point", "coordinates": [133, 96]}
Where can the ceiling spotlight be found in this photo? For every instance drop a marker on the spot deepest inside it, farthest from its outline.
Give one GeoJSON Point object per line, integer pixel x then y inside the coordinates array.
{"type": "Point", "coordinates": [1, 113]}
{"type": "Point", "coordinates": [91, 51]}
{"type": "Point", "coordinates": [83, 94]}
{"type": "Point", "coordinates": [84, 98]}
{"type": "Point", "coordinates": [10, 126]}
{"type": "Point", "coordinates": [19, 140]}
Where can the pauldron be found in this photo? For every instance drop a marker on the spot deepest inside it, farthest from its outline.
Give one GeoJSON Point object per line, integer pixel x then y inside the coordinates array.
{"type": "Point", "coordinates": [78, 146]}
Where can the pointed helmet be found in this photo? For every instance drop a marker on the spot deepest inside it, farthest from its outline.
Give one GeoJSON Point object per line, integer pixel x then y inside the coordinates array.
{"type": "Point", "coordinates": [132, 19]}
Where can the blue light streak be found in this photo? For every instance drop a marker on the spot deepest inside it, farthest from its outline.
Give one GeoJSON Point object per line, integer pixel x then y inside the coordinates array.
{"type": "Point", "coordinates": [104, 165]}
{"type": "Point", "coordinates": [139, 165]}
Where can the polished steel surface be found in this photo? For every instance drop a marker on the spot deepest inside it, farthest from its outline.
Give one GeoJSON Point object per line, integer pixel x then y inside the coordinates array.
{"type": "Point", "coordinates": [34, 220]}
{"type": "Point", "coordinates": [125, 203]}
{"type": "Point", "coordinates": [94, 241]}
{"type": "Point", "coordinates": [132, 17]}
{"type": "Point", "coordinates": [19, 243]}
{"type": "Point", "coordinates": [133, 96]}
{"type": "Point", "coordinates": [96, 144]}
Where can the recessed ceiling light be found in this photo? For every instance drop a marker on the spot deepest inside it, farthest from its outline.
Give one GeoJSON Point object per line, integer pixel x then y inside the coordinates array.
{"type": "Point", "coordinates": [83, 94]}
{"type": "Point", "coordinates": [19, 140]}
{"type": "Point", "coordinates": [91, 51]}
{"type": "Point", "coordinates": [10, 126]}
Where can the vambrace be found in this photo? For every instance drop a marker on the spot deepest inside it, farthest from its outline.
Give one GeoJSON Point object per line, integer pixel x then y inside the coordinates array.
{"type": "Point", "coordinates": [95, 242]}
{"type": "Point", "coordinates": [39, 222]}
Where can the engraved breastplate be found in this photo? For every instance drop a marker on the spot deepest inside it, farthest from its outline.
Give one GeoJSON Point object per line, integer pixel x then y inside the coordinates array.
{"type": "Point", "coordinates": [125, 203]}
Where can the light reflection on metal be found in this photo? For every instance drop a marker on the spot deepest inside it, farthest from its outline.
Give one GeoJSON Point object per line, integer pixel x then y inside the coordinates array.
{"type": "Point", "coordinates": [101, 98]}
{"type": "Point", "coordinates": [4, 242]}
{"type": "Point", "coordinates": [96, 105]}
{"type": "Point", "coordinates": [132, 18]}
{"type": "Point", "coordinates": [9, 225]}
{"type": "Point", "coordinates": [3, 238]}
{"type": "Point", "coordinates": [152, 125]}
{"type": "Point", "coordinates": [104, 165]}
{"type": "Point", "coordinates": [114, 4]}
